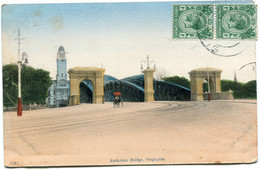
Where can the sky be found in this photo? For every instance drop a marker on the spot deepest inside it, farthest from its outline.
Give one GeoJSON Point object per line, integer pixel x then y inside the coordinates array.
{"type": "Point", "coordinates": [115, 36]}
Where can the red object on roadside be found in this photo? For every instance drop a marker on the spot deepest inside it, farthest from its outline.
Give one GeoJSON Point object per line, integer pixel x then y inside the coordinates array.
{"type": "Point", "coordinates": [19, 107]}
{"type": "Point", "coordinates": [117, 93]}
{"type": "Point", "coordinates": [209, 97]}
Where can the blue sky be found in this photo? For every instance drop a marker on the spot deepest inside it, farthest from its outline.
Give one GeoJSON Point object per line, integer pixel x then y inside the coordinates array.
{"type": "Point", "coordinates": [117, 36]}
{"type": "Point", "coordinates": [89, 18]}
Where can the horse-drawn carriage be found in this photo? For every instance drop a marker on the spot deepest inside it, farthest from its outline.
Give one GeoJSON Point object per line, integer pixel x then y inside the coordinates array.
{"type": "Point", "coordinates": [117, 99]}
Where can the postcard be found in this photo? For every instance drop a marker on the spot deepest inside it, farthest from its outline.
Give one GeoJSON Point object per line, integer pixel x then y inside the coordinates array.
{"type": "Point", "coordinates": [129, 83]}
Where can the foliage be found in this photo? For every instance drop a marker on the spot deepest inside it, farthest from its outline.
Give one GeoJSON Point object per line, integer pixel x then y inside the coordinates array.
{"type": "Point", "coordinates": [34, 85]}
{"type": "Point", "coordinates": [10, 79]}
{"type": "Point", "coordinates": [182, 81]}
{"type": "Point", "coordinates": [250, 89]}
{"type": "Point", "coordinates": [240, 90]}
{"type": "Point", "coordinates": [159, 74]}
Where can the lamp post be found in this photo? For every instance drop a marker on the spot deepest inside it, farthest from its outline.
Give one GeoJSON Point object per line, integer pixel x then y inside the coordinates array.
{"type": "Point", "coordinates": [24, 57]}
{"type": "Point", "coordinates": [147, 62]}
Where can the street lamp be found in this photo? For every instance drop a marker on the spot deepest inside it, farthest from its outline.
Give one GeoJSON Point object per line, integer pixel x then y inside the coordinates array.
{"type": "Point", "coordinates": [20, 61]}
{"type": "Point", "coordinates": [147, 62]}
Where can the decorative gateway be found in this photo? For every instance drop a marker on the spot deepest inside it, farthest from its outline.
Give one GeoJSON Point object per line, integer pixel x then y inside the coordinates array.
{"type": "Point", "coordinates": [161, 122]}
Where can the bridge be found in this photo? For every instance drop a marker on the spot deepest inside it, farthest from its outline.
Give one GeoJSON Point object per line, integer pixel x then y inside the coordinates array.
{"type": "Point", "coordinates": [132, 89]}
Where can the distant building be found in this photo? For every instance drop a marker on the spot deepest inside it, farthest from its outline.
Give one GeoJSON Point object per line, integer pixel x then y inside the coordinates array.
{"type": "Point", "coordinates": [58, 92]}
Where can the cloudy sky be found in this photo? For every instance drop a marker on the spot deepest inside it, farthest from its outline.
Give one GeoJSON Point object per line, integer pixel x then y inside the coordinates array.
{"type": "Point", "coordinates": [117, 36]}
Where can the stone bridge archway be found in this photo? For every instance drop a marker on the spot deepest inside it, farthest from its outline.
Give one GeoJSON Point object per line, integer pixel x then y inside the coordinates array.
{"type": "Point", "coordinates": [95, 75]}
{"type": "Point", "coordinates": [197, 76]}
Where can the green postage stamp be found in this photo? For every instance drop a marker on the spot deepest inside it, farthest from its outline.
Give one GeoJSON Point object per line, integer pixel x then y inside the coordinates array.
{"type": "Point", "coordinates": [192, 21]}
{"type": "Point", "coordinates": [221, 21]}
{"type": "Point", "coordinates": [236, 22]}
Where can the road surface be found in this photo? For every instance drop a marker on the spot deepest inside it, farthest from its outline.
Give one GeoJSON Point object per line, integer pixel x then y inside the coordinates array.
{"type": "Point", "coordinates": [169, 132]}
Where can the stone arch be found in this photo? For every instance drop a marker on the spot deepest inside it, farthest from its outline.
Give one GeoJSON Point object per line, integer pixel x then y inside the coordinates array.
{"type": "Point", "coordinates": [86, 91]}
{"type": "Point", "coordinates": [197, 76]}
{"type": "Point", "coordinates": [79, 74]}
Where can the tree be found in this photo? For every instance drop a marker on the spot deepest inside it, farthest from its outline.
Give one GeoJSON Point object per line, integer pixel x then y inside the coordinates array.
{"type": "Point", "coordinates": [182, 81]}
{"type": "Point", "coordinates": [240, 90]}
{"type": "Point", "coordinates": [250, 89]}
{"type": "Point", "coordinates": [34, 82]}
{"type": "Point", "coordinates": [27, 84]}
{"type": "Point", "coordinates": [41, 83]}
{"type": "Point", "coordinates": [159, 74]}
{"type": "Point", "coordinates": [236, 87]}
{"type": "Point", "coordinates": [10, 79]}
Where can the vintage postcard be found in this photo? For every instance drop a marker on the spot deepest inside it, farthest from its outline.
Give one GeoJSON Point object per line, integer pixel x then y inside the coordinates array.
{"type": "Point", "coordinates": [129, 83]}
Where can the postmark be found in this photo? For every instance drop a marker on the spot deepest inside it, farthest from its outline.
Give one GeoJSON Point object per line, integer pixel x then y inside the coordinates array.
{"type": "Point", "coordinates": [224, 48]}
{"type": "Point", "coordinates": [192, 19]}
{"type": "Point", "coordinates": [236, 22]}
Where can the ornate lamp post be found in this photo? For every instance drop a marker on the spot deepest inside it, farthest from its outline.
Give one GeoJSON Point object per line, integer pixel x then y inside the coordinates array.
{"type": "Point", "coordinates": [24, 58]}
{"type": "Point", "coordinates": [147, 62]}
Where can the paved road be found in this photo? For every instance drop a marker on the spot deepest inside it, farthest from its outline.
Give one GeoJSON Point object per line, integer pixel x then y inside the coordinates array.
{"type": "Point", "coordinates": [54, 120]}
{"type": "Point", "coordinates": [177, 132]}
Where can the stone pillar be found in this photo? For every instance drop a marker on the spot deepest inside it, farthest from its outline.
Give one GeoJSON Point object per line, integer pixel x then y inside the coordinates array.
{"type": "Point", "coordinates": [193, 87]}
{"type": "Point", "coordinates": [218, 83]}
{"type": "Point", "coordinates": [74, 91]}
{"type": "Point", "coordinates": [98, 95]}
{"type": "Point", "coordinates": [196, 88]}
{"type": "Point", "coordinates": [74, 100]}
{"type": "Point", "coordinates": [148, 85]}
{"type": "Point", "coordinates": [215, 85]}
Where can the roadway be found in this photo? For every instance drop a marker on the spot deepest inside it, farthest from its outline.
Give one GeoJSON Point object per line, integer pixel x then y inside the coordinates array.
{"type": "Point", "coordinates": [139, 133]}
